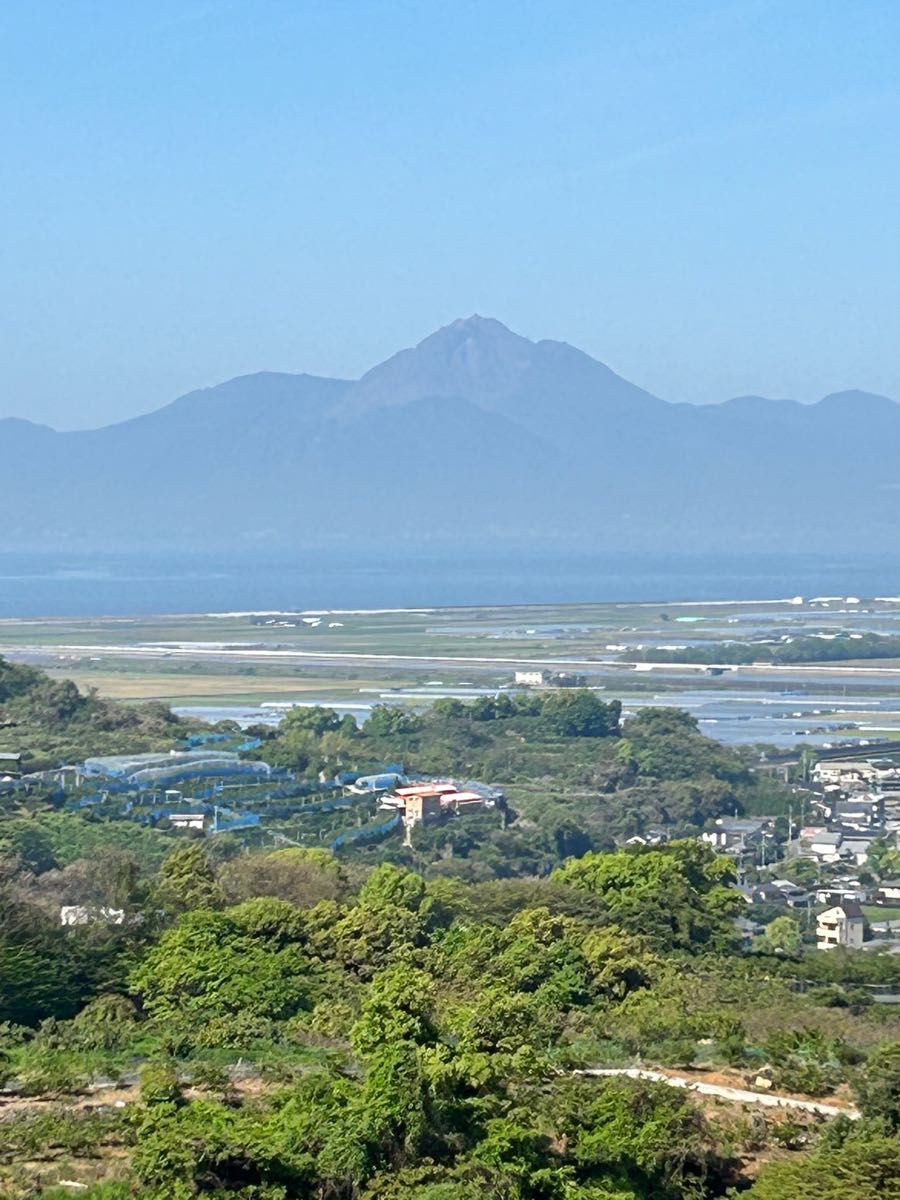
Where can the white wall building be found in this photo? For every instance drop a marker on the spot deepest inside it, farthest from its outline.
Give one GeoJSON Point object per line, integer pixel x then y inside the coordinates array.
{"type": "Point", "coordinates": [843, 925]}
{"type": "Point", "coordinates": [531, 678]}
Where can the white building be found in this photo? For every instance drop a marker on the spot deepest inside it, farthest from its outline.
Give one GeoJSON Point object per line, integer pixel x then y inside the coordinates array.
{"type": "Point", "coordinates": [531, 678]}
{"type": "Point", "coordinates": [81, 914]}
{"type": "Point", "coordinates": [837, 893]}
{"type": "Point", "coordinates": [826, 846]}
{"type": "Point", "coordinates": [843, 925]}
{"type": "Point", "coordinates": [188, 820]}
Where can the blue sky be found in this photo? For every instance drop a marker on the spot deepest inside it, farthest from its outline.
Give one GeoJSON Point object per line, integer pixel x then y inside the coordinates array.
{"type": "Point", "coordinates": [704, 195]}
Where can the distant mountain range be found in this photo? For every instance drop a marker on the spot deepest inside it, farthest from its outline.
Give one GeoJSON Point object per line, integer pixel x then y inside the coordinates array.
{"type": "Point", "coordinates": [476, 437]}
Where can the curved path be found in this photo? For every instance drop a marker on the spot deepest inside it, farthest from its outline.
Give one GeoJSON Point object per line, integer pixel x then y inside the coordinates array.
{"type": "Point", "coordinates": [728, 1093]}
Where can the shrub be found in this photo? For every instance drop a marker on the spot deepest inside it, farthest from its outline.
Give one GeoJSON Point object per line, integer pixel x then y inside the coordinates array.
{"type": "Point", "coordinates": [159, 1084]}
{"type": "Point", "coordinates": [107, 1023]}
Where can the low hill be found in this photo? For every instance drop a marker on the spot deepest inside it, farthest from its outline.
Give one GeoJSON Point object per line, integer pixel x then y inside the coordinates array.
{"type": "Point", "coordinates": [50, 722]}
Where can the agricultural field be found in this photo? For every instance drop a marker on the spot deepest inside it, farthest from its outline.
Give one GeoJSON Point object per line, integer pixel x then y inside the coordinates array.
{"type": "Point", "coordinates": [355, 659]}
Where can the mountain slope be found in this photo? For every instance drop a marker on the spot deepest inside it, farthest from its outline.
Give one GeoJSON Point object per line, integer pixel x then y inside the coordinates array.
{"type": "Point", "coordinates": [476, 437]}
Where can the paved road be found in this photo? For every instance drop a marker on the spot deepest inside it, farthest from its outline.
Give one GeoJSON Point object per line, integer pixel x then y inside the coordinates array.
{"type": "Point", "coordinates": [727, 1093]}
{"type": "Point", "coordinates": [600, 664]}
{"type": "Point", "coordinates": [261, 654]}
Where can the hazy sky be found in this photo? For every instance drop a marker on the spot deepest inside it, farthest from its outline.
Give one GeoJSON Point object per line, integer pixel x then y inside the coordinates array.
{"type": "Point", "coordinates": [704, 195]}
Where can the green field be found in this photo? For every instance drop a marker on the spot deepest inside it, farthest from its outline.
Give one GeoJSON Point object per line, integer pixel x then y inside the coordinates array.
{"type": "Point", "coordinates": [357, 657]}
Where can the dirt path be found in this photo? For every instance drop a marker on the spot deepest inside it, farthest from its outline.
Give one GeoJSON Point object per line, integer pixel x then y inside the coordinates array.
{"type": "Point", "coordinates": [727, 1093]}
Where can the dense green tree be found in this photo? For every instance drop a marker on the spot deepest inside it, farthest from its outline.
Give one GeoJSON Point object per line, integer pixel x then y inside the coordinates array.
{"type": "Point", "coordinates": [214, 966]}
{"type": "Point", "coordinates": [783, 935]}
{"type": "Point", "coordinates": [187, 880]}
{"type": "Point", "coordinates": [644, 1136]}
{"type": "Point", "coordinates": [878, 1086]}
{"type": "Point", "coordinates": [304, 876]}
{"type": "Point", "coordinates": [388, 884]}
{"type": "Point", "coordinates": [674, 896]}
{"type": "Point", "coordinates": [579, 713]}
{"type": "Point", "coordinates": [388, 721]}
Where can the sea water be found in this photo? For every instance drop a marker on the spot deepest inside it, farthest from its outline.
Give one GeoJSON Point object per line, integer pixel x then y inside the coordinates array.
{"type": "Point", "coordinates": [80, 584]}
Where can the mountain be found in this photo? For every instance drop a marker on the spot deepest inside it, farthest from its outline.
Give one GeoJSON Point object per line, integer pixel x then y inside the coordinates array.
{"type": "Point", "coordinates": [475, 437]}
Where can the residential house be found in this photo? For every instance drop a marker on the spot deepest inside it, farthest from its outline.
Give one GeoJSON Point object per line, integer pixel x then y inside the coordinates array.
{"type": "Point", "coordinates": [650, 837]}
{"type": "Point", "coordinates": [856, 845]}
{"type": "Point", "coordinates": [846, 773]}
{"type": "Point", "coordinates": [422, 807]}
{"type": "Point", "coordinates": [763, 893]}
{"type": "Point", "coordinates": [748, 930]}
{"type": "Point", "coordinates": [843, 925]}
{"type": "Point", "coordinates": [734, 835]}
{"type": "Point", "coordinates": [463, 801]}
{"type": "Point", "coordinates": [887, 892]}
{"type": "Point", "coordinates": [861, 814]}
{"type": "Point", "coordinates": [795, 896]}
{"type": "Point", "coordinates": [825, 845]}
{"type": "Point", "coordinates": [837, 892]}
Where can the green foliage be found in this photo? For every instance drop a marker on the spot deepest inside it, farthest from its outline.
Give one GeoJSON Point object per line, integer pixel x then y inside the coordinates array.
{"type": "Point", "coordinates": [807, 1060]}
{"type": "Point", "coordinates": [386, 721]}
{"type": "Point", "coordinates": [54, 723]}
{"type": "Point", "coordinates": [108, 1022]}
{"type": "Point", "coordinates": [56, 1132]}
{"type": "Point", "coordinates": [576, 781]}
{"type": "Point", "coordinates": [783, 935]}
{"type": "Point", "coordinates": [645, 1136]}
{"type": "Point", "coordinates": [397, 1008]}
{"type": "Point", "coordinates": [390, 886]}
{"type": "Point", "coordinates": [863, 1167]}
{"type": "Point", "coordinates": [43, 840]}
{"type": "Point", "coordinates": [223, 965]}
{"type": "Point", "coordinates": [159, 1084]}
{"type": "Point", "coordinates": [878, 1086]}
{"type": "Point", "coordinates": [579, 713]}
{"type": "Point", "coordinates": [187, 881]}
{"type": "Point", "coordinates": [796, 650]}
{"type": "Point", "coordinates": [673, 896]}
{"type": "Point", "coordinates": [410, 1026]}
{"type": "Point", "coordinates": [302, 876]}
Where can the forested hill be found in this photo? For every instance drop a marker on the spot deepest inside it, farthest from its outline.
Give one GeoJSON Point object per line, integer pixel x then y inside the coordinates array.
{"type": "Point", "coordinates": [576, 779]}
{"type": "Point", "coordinates": [276, 1026]}
{"type": "Point", "coordinates": [407, 1021]}
{"type": "Point", "coordinates": [50, 722]}
{"type": "Point", "coordinates": [501, 441]}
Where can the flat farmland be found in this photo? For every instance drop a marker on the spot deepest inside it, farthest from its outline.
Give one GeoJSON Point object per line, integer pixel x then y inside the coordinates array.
{"type": "Point", "coordinates": [360, 658]}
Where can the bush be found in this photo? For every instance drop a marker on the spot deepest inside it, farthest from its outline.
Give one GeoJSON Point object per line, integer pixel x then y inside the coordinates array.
{"type": "Point", "coordinates": [51, 1072]}
{"type": "Point", "coordinates": [878, 1088]}
{"type": "Point", "coordinates": [159, 1084]}
{"type": "Point", "coordinates": [675, 1052]}
{"type": "Point", "coordinates": [107, 1023]}
{"type": "Point", "coordinates": [808, 1078]}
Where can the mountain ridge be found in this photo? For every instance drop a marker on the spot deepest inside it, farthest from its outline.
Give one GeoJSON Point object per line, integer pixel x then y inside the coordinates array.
{"type": "Point", "coordinates": [477, 435]}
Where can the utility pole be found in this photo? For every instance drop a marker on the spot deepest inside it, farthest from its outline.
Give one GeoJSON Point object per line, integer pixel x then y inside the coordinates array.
{"type": "Point", "coordinates": [790, 837]}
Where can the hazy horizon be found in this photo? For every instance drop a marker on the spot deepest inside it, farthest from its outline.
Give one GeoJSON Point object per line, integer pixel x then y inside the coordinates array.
{"type": "Point", "coordinates": [696, 195]}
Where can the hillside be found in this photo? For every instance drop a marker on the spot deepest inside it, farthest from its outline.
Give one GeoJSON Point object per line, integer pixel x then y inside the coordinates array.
{"type": "Point", "coordinates": [475, 437]}
{"type": "Point", "coordinates": [50, 722]}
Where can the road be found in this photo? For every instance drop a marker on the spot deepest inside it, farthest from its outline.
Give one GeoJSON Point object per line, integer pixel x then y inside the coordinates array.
{"type": "Point", "coordinates": [727, 1093]}
{"type": "Point", "coordinates": [261, 654]}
